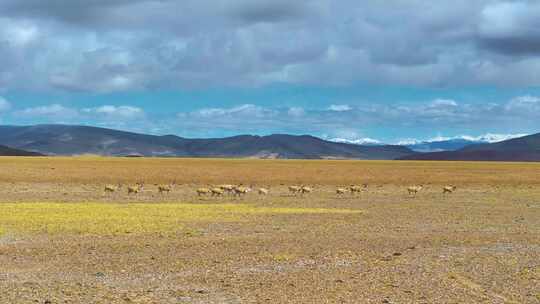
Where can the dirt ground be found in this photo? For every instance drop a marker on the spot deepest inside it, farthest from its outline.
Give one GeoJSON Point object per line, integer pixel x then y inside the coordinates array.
{"type": "Point", "coordinates": [480, 244]}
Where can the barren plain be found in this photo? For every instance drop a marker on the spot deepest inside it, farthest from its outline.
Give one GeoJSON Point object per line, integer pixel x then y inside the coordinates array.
{"type": "Point", "coordinates": [64, 240]}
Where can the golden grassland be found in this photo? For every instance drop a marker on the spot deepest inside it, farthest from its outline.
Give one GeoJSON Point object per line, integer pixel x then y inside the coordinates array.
{"type": "Point", "coordinates": [114, 219]}
{"type": "Point", "coordinates": [64, 240]}
{"type": "Point", "coordinates": [261, 172]}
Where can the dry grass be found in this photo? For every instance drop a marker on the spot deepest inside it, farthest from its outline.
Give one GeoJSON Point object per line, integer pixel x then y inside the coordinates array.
{"type": "Point", "coordinates": [261, 172]}
{"type": "Point", "coordinates": [64, 240]}
{"type": "Point", "coordinates": [114, 219]}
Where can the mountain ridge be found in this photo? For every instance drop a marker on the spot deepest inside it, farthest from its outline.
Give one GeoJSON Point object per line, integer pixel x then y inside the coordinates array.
{"type": "Point", "coordinates": [526, 148]}
{"type": "Point", "coordinates": [76, 140]}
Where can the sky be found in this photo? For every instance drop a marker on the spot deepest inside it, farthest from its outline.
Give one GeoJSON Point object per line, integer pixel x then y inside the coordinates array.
{"type": "Point", "coordinates": [361, 71]}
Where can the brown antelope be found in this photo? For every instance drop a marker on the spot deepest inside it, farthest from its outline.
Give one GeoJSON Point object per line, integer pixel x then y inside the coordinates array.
{"type": "Point", "coordinates": [227, 188]}
{"type": "Point", "coordinates": [241, 191]}
{"type": "Point", "coordinates": [203, 191]}
{"type": "Point", "coordinates": [305, 190]}
{"type": "Point", "coordinates": [217, 192]}
{"type": "Point", "coordinates": [165, 188]}
{"type": "Point", "coordinates": [263, 191]}
{"type": "Point", "coordinates": [295, 189]}
{"type": "Point", "coordinates": [136, 188]}
{"type": "Point", "coordinates": [341, 191]}
{"type": "Point", "coordinates": [449, 189]}
{"type": "Point", "coordinates": [413, 190]}
{"type": "Point", "coordinates": [112, 188]}
{"type": "Point", "coordinates": [357, 189]}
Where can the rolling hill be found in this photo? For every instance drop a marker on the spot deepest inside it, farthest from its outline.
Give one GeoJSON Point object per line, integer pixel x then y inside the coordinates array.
{"type": "Point", "coordinates": [525, 148]}
{"type": "Point", "coordinates": [7, 151]}
{"type": "Point", "coordinates": [442, 145]}
{"type": "Point", "coordinates": [77, 140]}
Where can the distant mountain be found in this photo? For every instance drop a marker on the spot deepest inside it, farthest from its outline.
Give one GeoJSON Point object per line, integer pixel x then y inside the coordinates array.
{"type": "Point", "coordinates": [526, 148]}
{"type": "Point", "coordinates": [7, 151]}
{"type": "Point", "coordinates": [442, 145]}
{"type": "Point", "coordinates": [77, 140]}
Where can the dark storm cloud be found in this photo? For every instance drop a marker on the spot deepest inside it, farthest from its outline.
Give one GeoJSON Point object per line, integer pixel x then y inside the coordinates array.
{"type": "Point", "coordinates": [117, 45]}
{"type": "Point", "coordinates": [511, 28]}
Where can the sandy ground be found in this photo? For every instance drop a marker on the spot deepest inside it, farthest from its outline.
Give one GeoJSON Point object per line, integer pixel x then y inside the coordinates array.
{"type": "Point", "coordinates": [480, 244]}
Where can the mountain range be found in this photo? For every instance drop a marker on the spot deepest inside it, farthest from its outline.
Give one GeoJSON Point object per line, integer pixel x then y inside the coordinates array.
{"type": "Point", "coordinates": [66, 140]}
{"type": "Point", "coordinates": [526, 148]}
{"type": "Point", "coordinates": [443, 145]}
{"type": "Point", "coordinates": [7, 151]}
{"type": "Point", "coordinates": [78, 140]}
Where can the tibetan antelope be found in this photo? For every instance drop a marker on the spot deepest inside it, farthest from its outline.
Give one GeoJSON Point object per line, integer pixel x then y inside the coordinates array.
{"type": "Point", "coordinates": [217, 192]}
{"type": "Point", "coordinates": [305, 190]}
{"type": "Point", "coordinates": [112, 188]}
{"type": "Point", "coordinates": [413, 190]}
{"type": "Point", "coordinates": [449, 189]}
{"type": "Point", "coordinates": [295, 189]}
{"type": "Point", "coordinates": [135, 189]}
{"type": "Point", "coordinates": [241, 191]}
{"type": "Point", "coordinates": [341, 191]}
{"type": "Point", "coordinates": [165, 188]}
{"type": "Point", "coordinates": [354, 189]}
{"type": "Point", "coordinates": [203, 191]}
{"type": "Point", "coordinates": [227, 188]}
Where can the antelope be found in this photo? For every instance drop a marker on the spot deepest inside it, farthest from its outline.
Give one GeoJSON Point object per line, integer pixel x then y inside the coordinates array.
{"type": "Point", "coordinates": [112, 188]}
{"type": "Point", "coordinates": [217, 191]}
{"type": "Point", "coordinates": [449, 189]}
{"type": "Point", "coordinates": [165, 188]}
{"type": "Point", "coordinates": [227, 188]}
{"type": "Point", "coordinates": [357, 189]}
{"type": "Point", "coordinates": [306, 189]}
{"type": "Point", "coordinates": [263, 191]}
{"type": "Point", "coordinates": [295, 189]}
{"type": "Point", "coordinates": [136, 188]}
{"type": "Point", "coordinates": [203, 191]}
{"type": "Point", "coordinates": [340, 191]}
{"type": "Point", "coordinates": [240, 190]}
{"type": "Point", "coordinates": [414, 189]}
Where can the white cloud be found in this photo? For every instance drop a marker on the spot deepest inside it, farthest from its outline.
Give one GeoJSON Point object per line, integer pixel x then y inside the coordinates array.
{"type": "Point", "coordinates": [444, 103]}
{"type": "Point", "coordinates": [121, 112]}
{"type": "Point", "coordinates": [4, 105]}
{"type": "Point", "coordinates": [55, 111]}
{"type": "Point", "coordinates": [296, 112]}
{"type": "Point", "coordinates": [525, 104]}
{"type": "Point", "coordinates": [339, 108]}
{"type": "Point", "coordinates": [358, 141]}
{"type": "Point", "coordinates": [484, 138]}
{"type": "Point", "coordinates": [491, 137]}
{"type": "Point", "coordinates": [247, 110]}
{"type": "Point", "coordinates": [20, 34]}
{"type": "Point", "coordinates": [408, 141]}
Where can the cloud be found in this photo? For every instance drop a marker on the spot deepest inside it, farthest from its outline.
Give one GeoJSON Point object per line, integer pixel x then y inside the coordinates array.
{"type": "Point", "coordinates": [358, 141]}
{"type": "Point", "coordinates": [339, 108]}
{"type": "Point", "coordinates": [527, 105]}
{"type": "Point", "coordinates": [443, 103]}
{"type": "Point", "coordinates": [246, 110]}
{"type": "Point", "coordinates": [296, 112]}
{"type": "Point", "coordinates": [106, 115]}
{"type": "Point", "coordinates": [53, 111]}
{"type": "Point", "coordinates": [511, 28]}
{"type": "Point", "coordinates": [119, 112]}
{"type": "Point", "coordinates": [119, 45]}
{"type": "Point", "coordinates": [492, 138]}
{"type": "Point", "coordinates": [4, 105]}
{"type": "Point", "coordinates": [484, 138]}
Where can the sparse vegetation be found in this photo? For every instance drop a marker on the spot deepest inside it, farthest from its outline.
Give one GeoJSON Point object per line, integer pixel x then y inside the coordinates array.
{"type": "Point", "coordinates": [63, 240]}
{"type": "Point", "coordinates": [112, 219]}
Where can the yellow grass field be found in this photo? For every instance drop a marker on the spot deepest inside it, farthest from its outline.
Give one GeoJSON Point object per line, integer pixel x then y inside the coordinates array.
{"type": "Point", "coordinates": [64, 240]}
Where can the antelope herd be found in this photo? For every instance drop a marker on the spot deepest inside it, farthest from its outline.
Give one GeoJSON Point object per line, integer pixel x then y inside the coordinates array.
{"type": "Point", "coordinates": [241, 190]}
